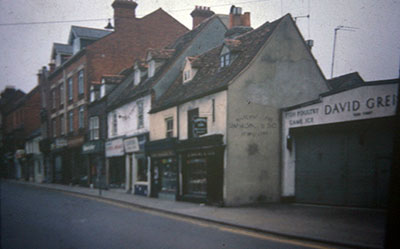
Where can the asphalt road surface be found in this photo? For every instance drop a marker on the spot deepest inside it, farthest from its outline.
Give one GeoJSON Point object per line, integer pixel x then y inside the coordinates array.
{"type": "Point", "coordinates": [38, 218]}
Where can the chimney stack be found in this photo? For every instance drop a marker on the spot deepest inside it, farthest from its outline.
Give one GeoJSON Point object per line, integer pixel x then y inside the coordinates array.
{"type": "Point", "coordinates": [52, 66]}
{"type": "Point", "coordinates": [123, 10]}
{"type": "Point", "coordinates": [236, 18]}
{"type": "Point", "coordinates": [199, 14]}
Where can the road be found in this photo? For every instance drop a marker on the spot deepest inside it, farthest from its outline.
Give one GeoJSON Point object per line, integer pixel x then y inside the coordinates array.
{"type": "Point", "coordinates": [38, 218]}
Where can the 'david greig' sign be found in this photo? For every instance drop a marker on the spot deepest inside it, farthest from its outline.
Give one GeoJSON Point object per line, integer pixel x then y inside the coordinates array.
{"type": "Point", "coordinates": [371, 101]}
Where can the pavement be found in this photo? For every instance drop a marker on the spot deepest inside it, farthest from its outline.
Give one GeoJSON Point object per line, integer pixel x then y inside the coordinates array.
{"type": "Point", "coordinates": [337, 226]}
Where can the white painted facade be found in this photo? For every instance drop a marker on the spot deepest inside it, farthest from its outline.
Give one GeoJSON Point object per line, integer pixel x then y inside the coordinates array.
{"type": "Point", "coordinates": [32, 147]}
{"type": "Point", "coordinates": [127, 126]}
{"type": "Point", "coordinates": [364, 102]}
{"type": "Point", "coordinates": [158, 126]}
{"type": "Point", "coordinates": [216, 116]}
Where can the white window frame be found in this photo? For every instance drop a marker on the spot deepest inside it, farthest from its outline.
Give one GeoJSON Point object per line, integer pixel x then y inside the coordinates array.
{"type": "Point", "coordinates": [225, 60]}
{"type": "Point", "coordinates": [169, 130]}
{"type": "Point", "coordinates": [94, 128]}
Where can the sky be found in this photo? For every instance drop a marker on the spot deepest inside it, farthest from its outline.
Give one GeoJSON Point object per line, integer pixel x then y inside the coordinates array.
{"type": "Point", "coordinates": [371, 48]}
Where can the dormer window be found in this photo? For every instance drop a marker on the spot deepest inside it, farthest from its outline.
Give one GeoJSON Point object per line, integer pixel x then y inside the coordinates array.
{"type": "Point", "coordinates": [225, 59]}
{"type": "Point", "coordinates": [152, 68]}
{"type": "Point", "coordinates": [186, 75]}
{"type": "Point", "coordinates": [102, 90]}
{"type": "Point", "coordinates": [137, 76]}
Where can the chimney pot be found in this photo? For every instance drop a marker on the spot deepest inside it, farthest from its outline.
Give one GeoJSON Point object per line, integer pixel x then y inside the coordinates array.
{"type": "Point", "coordinates": [200, 13]}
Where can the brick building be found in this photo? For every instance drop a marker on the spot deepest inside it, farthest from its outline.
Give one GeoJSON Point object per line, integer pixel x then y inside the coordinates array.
{"type": "Point", "coordinates": [19, 121]}
{"type": "Point", "coordinates": [79, 64]}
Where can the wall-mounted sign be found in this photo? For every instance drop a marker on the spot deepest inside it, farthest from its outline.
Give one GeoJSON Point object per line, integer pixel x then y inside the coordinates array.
{"type": "Point", "coordinates": [115, 148]}
{"type": "Point", "coordinates": [365, 102]}
{"type": "Point", "coordinates": [92, 147]}
{"type": "Point", "coordinates": [131, 145]}
{"type": "Point", "coordinates": [200, 126]}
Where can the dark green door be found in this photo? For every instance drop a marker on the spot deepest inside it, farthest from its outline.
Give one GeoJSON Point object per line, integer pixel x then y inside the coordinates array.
{"type": "Point", "coordinates": [344, 164]}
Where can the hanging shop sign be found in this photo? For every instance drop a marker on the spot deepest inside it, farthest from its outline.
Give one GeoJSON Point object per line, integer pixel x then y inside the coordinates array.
{"type": "Point", "coordinates": [200, 125]}
{"type": "Point", "coordinates": [114, 148]}
{"type": "Point", "coordinates": [365, 102]}
{"type": "Point", "coordinates": [131, 145]}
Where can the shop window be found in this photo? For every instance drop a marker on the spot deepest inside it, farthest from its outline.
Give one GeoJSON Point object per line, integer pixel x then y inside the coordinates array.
{"type": "Point", "coordinates": [141, 175]}
{"type": "Point", "coordinates": [196, 177]}
{"type": "Point", "coordinates": [169, 123]}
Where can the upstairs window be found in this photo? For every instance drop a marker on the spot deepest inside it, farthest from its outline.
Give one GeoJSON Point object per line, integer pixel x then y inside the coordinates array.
{"type": "Point", "coordinates": [62, 124]}
{"type": "Point", "coordinates": [62, 97]}
{"type": "Point", "coordinates": [186, 76]}
{"type": "Point", "coordinates": [114, 128]}
{"type": "Point", "coordinates": [169, 123]}
{"type": "Point", "coordinates": [102, 90]}
{"type": "Point", "coordinates": [225, 60]}
{"type": "Point", "coordinates": [140, 114]}
{"type": "Point", "coordinates": [53, 99]}
{"type": "Point", "coordinates": [81, 116]}
{"type": "Point", "coordinates": [80, 83]}
{"type": "Point", "coordinates": [71, 121]}
{"type": "Point", "coordinates": [94, 128]}
{"type": "Point", "coordinates": [54, 126]}
{"type": "Point", "coordinates": [70, 89]}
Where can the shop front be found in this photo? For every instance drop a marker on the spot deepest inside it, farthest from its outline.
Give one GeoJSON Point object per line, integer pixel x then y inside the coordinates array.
{"type": "Point", "coordinates": [137, 170]}
{"type": "Point", "coordinates": [338, 150]}
{"type": "Point", "coordinates": [163, 168]}
{"type": "Point", "coordinates": [93, 151]}
{"type": "Point", "coordinates": [60, 173]}
{"type": "Point", "coordinates": [115, 163]}
{"type": "Point", "coordinates": [201, 167]}
{"type": "Point", "coordinates": [75, 162]}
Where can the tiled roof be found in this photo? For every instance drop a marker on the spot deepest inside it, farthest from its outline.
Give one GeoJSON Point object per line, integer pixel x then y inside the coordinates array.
{"type": "Point", "coordinates": [161, 53]}
{"type": "Point", "coordinates": [345, 81]}
{"type": "Point", "coordinates": [112, 79]}
{"type": "Point", "coordinates": [62, 48]}
{"type": "Point", "coordinates": [178, 47]}
{"type": "Point", "coordinates": [210, 77]}
{"type": "Point", "coordinates": [89, 33]}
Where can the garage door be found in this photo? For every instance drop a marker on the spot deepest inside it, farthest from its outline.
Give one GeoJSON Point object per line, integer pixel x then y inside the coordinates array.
{"type": "Point", "coordinates": [344, 164]}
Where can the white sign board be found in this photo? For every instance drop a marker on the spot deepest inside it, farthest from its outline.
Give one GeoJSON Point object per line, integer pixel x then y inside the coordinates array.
{"type": "Point", "coordinates": [115, 148]}
{"type": "Point", "coordinates": [131, 145]}
{"type": "Point", "coordinates": [364, 102]}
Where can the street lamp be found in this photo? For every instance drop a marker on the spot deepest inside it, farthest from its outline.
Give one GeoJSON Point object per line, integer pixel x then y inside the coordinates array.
{"type": "Point", "coordinates": [344, 28]}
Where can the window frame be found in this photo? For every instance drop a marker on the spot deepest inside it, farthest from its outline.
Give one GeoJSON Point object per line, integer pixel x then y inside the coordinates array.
{"type": "Point", "coordinates": [81, 117]}
{"type": "Point", "coordinates": [70, 84]}
{"type": "Point", "coordinates": [169, 127]}
{"type": "Point", "coordinates": [71, 121]}
{"type": "Point", "coordinates": [140, 113]}
{"type": "Point", "coordinates": [114, 126]}
{"type": "Point", "coordinates": [94, 128]}
{"type": "Point", "coordinates": [81, 83]}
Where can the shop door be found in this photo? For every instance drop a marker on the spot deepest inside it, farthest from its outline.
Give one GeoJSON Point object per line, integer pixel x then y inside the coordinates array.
{"type": "Point", "coordinates": [344, 164]}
